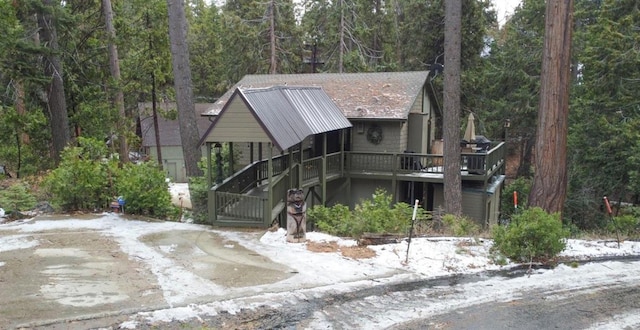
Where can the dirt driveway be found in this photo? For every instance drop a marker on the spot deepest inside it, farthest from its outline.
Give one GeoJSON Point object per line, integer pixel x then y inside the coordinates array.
{"type": "Point", "coordinates": [56, 271]}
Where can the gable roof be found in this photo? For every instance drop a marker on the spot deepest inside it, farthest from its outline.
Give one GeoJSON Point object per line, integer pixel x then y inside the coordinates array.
{"type": "Point", "coordinates": [169, 128]}
{"type": "Point", "coordinates": [286, 114]}
{"type": "Point", "coordinates": [373, 95]}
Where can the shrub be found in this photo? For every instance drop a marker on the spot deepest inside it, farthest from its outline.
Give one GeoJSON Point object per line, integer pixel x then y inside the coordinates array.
{"type": "Point", "coordinates": [532, 235]}
{"type": "Point", "coordinates": [17, 197]}
{"type": "Point", "coordinates": [199, 194]}
{"type": "Point", "coordinates": [335, 220]}
{"type": "Point", "coordinates": [460, 226]}
{"type": "Point", "coordinates": [198, 187]}
{"type": "Point", "coordinates": [520, 185]}
{"type": "Point", "coordinates": [145, 190]}
{"type": "Point", "coordinates": [375, 215]}
{"type": "Point", "coordinates": [627, 225]}
{"type": "Point", "coordinates": [81, 182]}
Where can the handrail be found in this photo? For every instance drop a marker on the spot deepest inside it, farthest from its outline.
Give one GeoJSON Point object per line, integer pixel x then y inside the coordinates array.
{"type": "Point", "coordinates": [232, 200]}
{"type": "Point", "coordinates": [254, 174]}
{"type": "Point", "coordinates": [473, 163]}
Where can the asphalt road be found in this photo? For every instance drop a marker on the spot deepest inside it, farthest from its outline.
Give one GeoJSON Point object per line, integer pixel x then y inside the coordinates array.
{"type": "Point", "coordinates": [453, 302]}
{"type": "Point", "coordinates": [581, 309]}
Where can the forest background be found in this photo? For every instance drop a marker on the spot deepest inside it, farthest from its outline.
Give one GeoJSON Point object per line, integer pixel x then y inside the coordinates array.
{"type": "Point", "coordinates": [55, 72]}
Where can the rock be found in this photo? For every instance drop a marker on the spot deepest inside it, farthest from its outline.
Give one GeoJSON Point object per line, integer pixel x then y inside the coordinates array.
{"type": "Point", "coordinates": [44, 207]}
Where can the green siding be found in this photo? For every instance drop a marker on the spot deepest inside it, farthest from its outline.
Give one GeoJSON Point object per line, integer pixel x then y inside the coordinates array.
{"type": "Point", "coordinates": [172, 162]}
{"type": "Point", "coordinates": [418, 133]}
{"type": "Point", "coordinates": [237, 125]}
{"type": "Point", "coordinates": [420, 105]}
{"type": "Point", "coordinates": [364, 189]}
{"type": "Point", "coordinates": [472, 206]}
{"type": "Point", "coordinates": [392, 140]}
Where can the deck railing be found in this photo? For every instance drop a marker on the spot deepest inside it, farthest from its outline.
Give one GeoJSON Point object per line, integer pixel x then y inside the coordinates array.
{"type": "Point", "coordinates": [478, 163]}
{"type": "Point", "coordinates": [232, 199]}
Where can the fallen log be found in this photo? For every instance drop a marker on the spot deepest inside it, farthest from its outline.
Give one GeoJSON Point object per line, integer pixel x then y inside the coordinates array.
{"type": "Point", "coordinates": [379, 239]}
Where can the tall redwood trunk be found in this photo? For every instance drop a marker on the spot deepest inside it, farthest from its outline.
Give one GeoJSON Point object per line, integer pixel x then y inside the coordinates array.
{"type": "Point", "coordinates": [452, 51]}
{"type": "Point", "coordinates": [550, 180]}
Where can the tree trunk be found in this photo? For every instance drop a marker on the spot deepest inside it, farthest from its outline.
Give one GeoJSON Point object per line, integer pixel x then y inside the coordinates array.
{"type": "Point", "coordinates": [184, 88]}
{"type": "Point", "coordinates": [452, 51]}
{"type": "Point", "coordinates": [21, 108]}
{"type": "Point", "coordinates": [273, 69]}
{"type": "Point", "coordinates": [114, 66]}
{"type": "Point", "coordinates": [156, 127]}
{"type": "Point", "coordinates": [56, 102]}
{"type": "Point", "coordinates": [526, 153]}
{"type": "Point", "coordinates": [341, 47]}
{"type": "Point", "coordinates": [550, 180]}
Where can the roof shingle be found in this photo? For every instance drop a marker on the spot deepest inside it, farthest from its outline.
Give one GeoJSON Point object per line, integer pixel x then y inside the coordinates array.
{"type": "Point", "coordinates": [375, 95]}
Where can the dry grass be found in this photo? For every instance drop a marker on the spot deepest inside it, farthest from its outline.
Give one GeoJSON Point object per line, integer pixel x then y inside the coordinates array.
{"type": "Point", "coordinates": [353, 252]}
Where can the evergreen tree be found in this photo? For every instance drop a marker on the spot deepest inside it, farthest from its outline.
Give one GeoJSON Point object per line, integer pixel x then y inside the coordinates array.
{"type": "Point", "coordinates": [605, 118]}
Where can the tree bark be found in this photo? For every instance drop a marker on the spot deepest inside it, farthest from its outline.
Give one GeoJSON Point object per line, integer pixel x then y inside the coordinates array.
{"type": "Point", "coordinates": [21, 108]}
{"type": "Point", "coordinates": [156, 127]}
{"type": "Point", "coordinates": [184, 87]}
{"type": "Point", "coordinates": [342, 47]}
{"type": "Point", "coordinates": [550, 180]}
{"type": "Point", "coordinates": [56, 102]}
{"type": "Point", "coordinates": [452, 51]}
{"type": "Point", "coordinates": [273, 69]}
{"type": "Point", "coordinates": [114, 66]}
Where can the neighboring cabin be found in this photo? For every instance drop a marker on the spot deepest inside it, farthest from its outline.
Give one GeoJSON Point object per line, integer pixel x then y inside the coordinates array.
{"type": "Point", "coordinates": [170, 141]}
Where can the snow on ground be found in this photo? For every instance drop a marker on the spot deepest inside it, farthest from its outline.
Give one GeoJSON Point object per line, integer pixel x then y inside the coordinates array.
{"type": "Point", "coordinates": [180, 194]}
{"type": "Point", "coordinates": [331, 272]}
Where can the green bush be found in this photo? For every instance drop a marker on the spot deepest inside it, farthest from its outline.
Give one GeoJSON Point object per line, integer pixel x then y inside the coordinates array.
{"type": "Point", "coordinates": [81, 182]}
{"type": "Point", "coordinates": [532, 235]}
{"type": "Point", "coordinates": [627, 225]}
{"type": "Point", "coordinates": [460, 226]}
{"type": "Point", "coordinates": [17, 198]}
{"type": "Point", "coordinates": [376, 215]}
{"type": "Point", "coordinates": [198, 187]}
{"type": "Point", "coordinates": [144, 190]}
{"type": "Point", "coordinates": [87, 180]}
{"type": "Point", "coordinates": [335, 220]}
{"type": "Point", "coordinates": [522, 186]}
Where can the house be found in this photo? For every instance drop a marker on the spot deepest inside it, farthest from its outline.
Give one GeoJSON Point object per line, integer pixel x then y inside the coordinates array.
{"type": "Point", "coordinates": [288, 136]}
{"type": "Point", "coordinates": [170, 141]}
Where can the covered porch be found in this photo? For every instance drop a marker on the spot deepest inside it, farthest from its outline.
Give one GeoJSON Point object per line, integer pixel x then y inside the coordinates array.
{"type": "Point", "coordinates": [277, 119]}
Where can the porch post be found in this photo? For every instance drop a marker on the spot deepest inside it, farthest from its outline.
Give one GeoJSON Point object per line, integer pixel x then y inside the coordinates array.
{"type": "Point", "coordinates": [209, 180]}
{"type": "Point", "coordinates": [300, 166]}
{"type": "Point", "coordinates": [269, 206]}
{"type": "Point", "coordinates": [231, 165]}
{"type": "Point", "coordinates": [291, 180]}
{"type": "Point", "coordinates": [343, 132]}
{"type": "Point", "coordinates": [394, 177]}
{"type": "Point", "coordinates": [211, 195]}
{"type": "Point", "coordinates": [324, 169]}
{"type": "Point", "coordinates": [485, 223]}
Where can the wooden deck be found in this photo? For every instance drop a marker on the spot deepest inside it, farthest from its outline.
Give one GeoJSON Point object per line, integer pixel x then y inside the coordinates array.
{"type": "Point", "coordinates": [254, 196]}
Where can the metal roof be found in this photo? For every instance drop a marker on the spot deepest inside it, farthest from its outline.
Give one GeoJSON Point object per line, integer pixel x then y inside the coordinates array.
{"type": "Point", "coordinates": [371, 95]}
{"type": "Point", "coordinates": [290, 114]}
